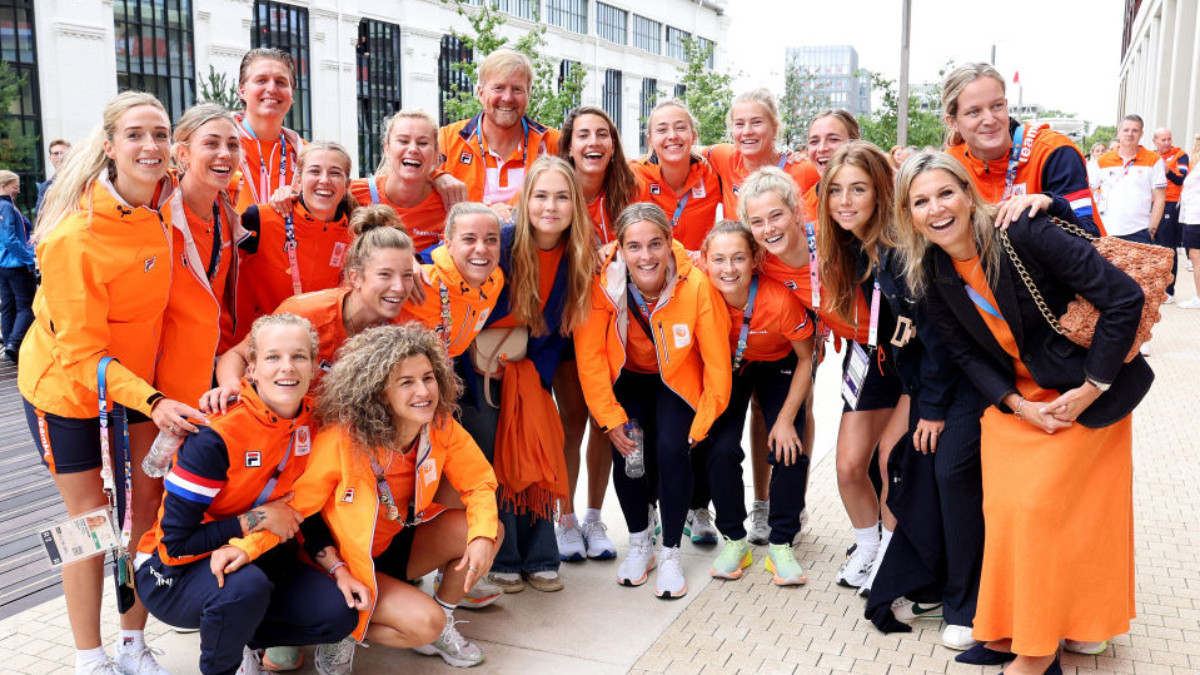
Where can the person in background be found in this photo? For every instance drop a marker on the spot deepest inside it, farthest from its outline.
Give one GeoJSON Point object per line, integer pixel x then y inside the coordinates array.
{"type": "Point", "coordinates": [1168, 234]}
{"type": "Point", "coordinates": [18, 280]}
{"type": "Point", "coordinates": [1189, 224]}
{"type": "Point", "coordinates": [1056, 446]}
{"type": "Point", "coordinates": [57, 151]}
{"type": "Point", "coordinates": [1092, 168]}
{"type": "Point", "coordinates": [591, 144]}
{"type": "Point", "coordinates": [270, 151]}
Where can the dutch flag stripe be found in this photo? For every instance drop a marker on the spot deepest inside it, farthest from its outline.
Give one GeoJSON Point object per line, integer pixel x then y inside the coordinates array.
{"type": "Point", "coordinates": [191, 487]}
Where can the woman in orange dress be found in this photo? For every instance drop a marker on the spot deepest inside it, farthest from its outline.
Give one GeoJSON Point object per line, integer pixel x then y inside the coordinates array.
{"type": "Point", "coordinates": [1056, 443]}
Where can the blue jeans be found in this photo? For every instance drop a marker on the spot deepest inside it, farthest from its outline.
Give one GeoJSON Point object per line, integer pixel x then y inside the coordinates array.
{"type": "Point", "coordinates": [17, 286]}
{"type": "Point", "coordinates": [529, 545]}
{"type": "Point", "coordinates": [1141, 236]}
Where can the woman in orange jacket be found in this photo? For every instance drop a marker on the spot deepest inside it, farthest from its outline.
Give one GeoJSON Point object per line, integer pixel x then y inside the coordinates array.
{"type": "Point", "coordinates": [658, 346]}
{"type": "Point", "coordinates": [402, 180]}
{"type": "Point", "coordinates": [301, 249]}
{"type": "Point", "coordinates": [104, 245]}
{"type": "Point", "coordinates": [204, 290]}
{"type": "Point", "coordinates": [231, 479]}
{"type": "Point", "coordinates": [676, 177]}
{"type": "Point", "coordinates": [591, 143]}
{"type": "Point", "coordinates": [266, 85]}
{"type": "Point", "coordinates": [388, 439]}
{"type": "Point", "coordinates": [464, 279]}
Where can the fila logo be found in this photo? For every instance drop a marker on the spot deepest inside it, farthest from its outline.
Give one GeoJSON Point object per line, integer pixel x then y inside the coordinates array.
{"type": "Point", "coordinates": [149, 263]}
{"type": "Point", "coordinates": [655, 189]}
{"type": "Point", "coordinates": [253, 459]}
{"type": "Point", "coordinates": [791, 285]}
{"type": "Point", "coordinates": [465, 158]}
{"type": "Point", "coordinates": [349, 496]}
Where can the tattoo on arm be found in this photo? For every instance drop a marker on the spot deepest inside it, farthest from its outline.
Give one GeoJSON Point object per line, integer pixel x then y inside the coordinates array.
{"type": "Point", "coordinates": [253, 520]}
{"type": "Point", "coordinates": [322, 553]}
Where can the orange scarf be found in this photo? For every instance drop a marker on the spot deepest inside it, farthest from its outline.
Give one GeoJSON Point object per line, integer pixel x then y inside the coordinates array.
{"type": "Point", "coordinates": [529, 462]}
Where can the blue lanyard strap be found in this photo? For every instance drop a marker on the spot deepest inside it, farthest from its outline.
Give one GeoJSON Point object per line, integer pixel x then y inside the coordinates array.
{"type": "Point", "coordinates": [747, 312]}
{"type": "Point", "coordinates": [782, 160]}
{"type": "Point", "coordinates": [1014, 160]}
{"type": "Point", "coordinates": [483, 154]}
{"type": "Point", "coordinates": [641, 302]}
{"type": "Point", "coordinates": [679, 207]}
{"type": "Point", "coordinates": [270, 486]}
{"type": "Point", "coordinates": [106, 462]}
{"type": "Point", "coordinates": [982, 303]}
{"type": "Point", "coordinates": [813, 275]}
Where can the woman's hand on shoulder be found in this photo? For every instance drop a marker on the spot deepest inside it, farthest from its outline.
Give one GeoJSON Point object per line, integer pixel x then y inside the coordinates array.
{"type": "Point", "coordinates": [172, 417]}
{"type": "Point", "coordinates": [284, 199]}
{"type": "Point", "coordinates": [1012, 208]}
{"type": "Point", "coordinates": [450, 189]}
{"type": "Point", "coordinates": [218, 399]}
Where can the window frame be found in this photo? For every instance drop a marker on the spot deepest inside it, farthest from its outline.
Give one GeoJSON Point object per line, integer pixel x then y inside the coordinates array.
{"type": "Point", "coordinates": [379, 93]}
{"type": "Point", "coordinates": [570, 15]}
{"type": "Point", "coordinates": [606, 27]}
{"type": "Point", "coordinates": [138, 24]}
{"type": "Point", "coordinates": [265, 31]}
{"type": "Point", "coordinates": [641, 38]}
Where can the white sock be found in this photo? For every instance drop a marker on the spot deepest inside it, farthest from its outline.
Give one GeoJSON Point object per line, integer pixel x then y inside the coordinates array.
{"type": "Point", "coordinates": [867, 539]}
{"type": "Point", "coordinates": [567, 520]}
{"type": "Point", "coordinates": [592, 516]}
{"type": "Point", "coordinates": [86, 657]}
{"type": "Point", "coordinates": [131, 640]}
{"type": "Point", "coordinates": [446, 607]}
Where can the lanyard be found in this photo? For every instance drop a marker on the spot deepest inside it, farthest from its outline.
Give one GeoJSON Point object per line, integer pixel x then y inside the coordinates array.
{"type": "Point", "coordinates": [289, 246]}
{"type": "Point", "coordinates": [264, 184]}
{"type": "Point", "coordinates": [214, 258]}
{"type": "Point", "coordinates": [270, 486]}
{"type": "Point", "coordinates": [641, 302]}
{"type": "Point", "coordinates": [484, 153]}
{"type": "Point", "coordinates": [679, 208]}
{"type": "Point", "coordinates": [1014, 159]}
{"type": "Point", "coordinates": [873, 333]}
{"type": "Point", "coordinates": [747, 311]}
{"type": "Point", "coordinates": [982, 303]}
{"type": "Point", "coordinates": [444, 326]}
{"type": "Point", "coordinates": [813, 278]}
{"type": "Point", "coordinates": [782, 160]}
{"type": "Point", "coordinates": [107, 461]}
{"type": "Point", "coordinates": [386, 500]}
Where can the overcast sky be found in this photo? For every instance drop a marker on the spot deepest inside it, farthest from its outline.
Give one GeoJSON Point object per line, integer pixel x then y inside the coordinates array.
{"type": "Point", "coordinates": [1068, 52]}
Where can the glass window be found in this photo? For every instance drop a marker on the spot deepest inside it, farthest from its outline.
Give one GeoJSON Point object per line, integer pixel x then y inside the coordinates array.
{"type": "Point", "coordinates": [611, 23]}
{"type": "Point", "coordinates": [19, 51]}
{"type": "Point", "coordinates": [705, 45]}
{"type": "Point", "coordinates": [570, 14]}
{"type": "Point", "coordinates": [680, 91]}
{"type": "Point", "coordinates": [649, 94]}
{"type": "Point", "coordinates": [286, 27]}
{"type": "Point", "coordinates": [526, 9]}
{"type": "Point", "coordinates": [612, 95]}
{"type": "Point", "coordinates": [154, 50]}
{"type": "Point", "coordinates": [564, 70]}
{"type": "Point", "coordinates": [450, 79]}
{"type": "Point", "coordinates": [675, 48]}
{"type": "Point", "coordinates": [378, 87]}
{"type": "Point", "coordinates": [647, 34]}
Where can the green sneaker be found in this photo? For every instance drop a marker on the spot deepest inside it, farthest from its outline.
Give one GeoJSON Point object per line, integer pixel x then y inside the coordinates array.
{"type": "Point", "coordinates": [782, 563]}
{"type": "Point", "coordinates": [735, 557]}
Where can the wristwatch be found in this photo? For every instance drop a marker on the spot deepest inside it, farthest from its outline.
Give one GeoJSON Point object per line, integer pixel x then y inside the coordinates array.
{"type": "Point", "coordinates": [1102, 386]}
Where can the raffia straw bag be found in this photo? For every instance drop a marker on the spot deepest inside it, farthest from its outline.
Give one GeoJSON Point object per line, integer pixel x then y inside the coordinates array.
{"type": "Point", "coordinates": [1148, 265]}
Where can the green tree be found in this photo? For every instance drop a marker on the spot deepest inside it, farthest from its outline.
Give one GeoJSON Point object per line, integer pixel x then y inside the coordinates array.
{"type": "Point", "coordinates": [17, 150]}
{"type": "Point", "coordinates": [549, 98]}
{"type": "Point", "coordinates": [219, 89]}
{"type": "Point", "coordinates": [803, 98]}
{"type": "Point", "coordinates": [925, 126]}
{"type": "Point", "coordinates": [1103, 133]}
{"type": "Point", "coordinates": [708, 94]}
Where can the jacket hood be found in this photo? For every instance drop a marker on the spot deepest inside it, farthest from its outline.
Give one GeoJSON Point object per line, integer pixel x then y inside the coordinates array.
{"type": "Point", "coordinates": [249, 399]}
{"type": "Point", "coordinates": [448, 274]}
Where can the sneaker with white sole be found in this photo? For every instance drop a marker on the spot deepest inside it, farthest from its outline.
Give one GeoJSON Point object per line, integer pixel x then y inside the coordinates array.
{"type": "Point", "coordinates": [1193, 303]}
{"type": "Point", "coordinates": [507, 582]}
{"type": "Point", "coordinates": [856, 570]}
{"type": "Point", "coordinates": [599, 546]}
{"type": "Point", "coordinates": [281, 659]}
{"type": "Point", "coordinates": [781, 561]}
{"type": "Point", "coordinates": [546, 581]}
{"type": "Point", "coordinates": [336, 658]}
{"type": "Point", "coordinates": [482, 594]}
{"type": "Point", "coordinates": [105, 666]}
{"type": "Point", "coordinates": [909, 610]}
{"type": "Point", "coordinates": [1170, 299]}
{"type": "Point", "coordinates": [251, 662]}
{"type": "Point", "coordinates": [699, 526]}
{"type": "Point", "coordinates": [758, 529]}
{"type": "Point", "coordinates": [734, 557]}
{"type": "Point", "coordinates": [453, 647]}
{"type": "Point", "coordinates": [669, 583]}
{"type": "Point", "coordinates": [865, 589]}
{"type": "Point", "coordinates": [139, 661]}
{"type": "Point", "coordinates": [1089, 648]}
{"type": "Point", "coordinates": [958, 638]}
{"type": "Point", "coordinates": [636, 566]}
{"type": "Point", "coordinates": [572, 547]}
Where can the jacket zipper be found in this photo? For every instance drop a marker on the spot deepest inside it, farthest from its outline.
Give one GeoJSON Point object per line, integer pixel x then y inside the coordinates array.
{"type": "Point", "coordinates": [663, 337]}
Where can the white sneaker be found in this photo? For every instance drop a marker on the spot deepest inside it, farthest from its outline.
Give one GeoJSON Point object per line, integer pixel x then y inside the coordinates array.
{"type": "Point", "coordinates": [336, 658]}
{"type": "Point", "coordinates": [758, 530]}
{"type": "Point", "coordinates": [138, 662]}
{"type": "Point", "coordinates": [857, 569]}
{"type": "Point", "coordinates": [105, 667]}
{"type": "Point", "coordinates": [1089, 648]}
{"type": "Point", "coordinates": [908, 611]}
{"type": "Point", "coordinates": [670, 582]}
{"type": "Point", "coordinates": [1193, 303]}
{"type": "Point", "coordinates": [599, 546]}
{"type": "Point", "coordinates": [1170, 299]}
{"type": "Point", "coordinates": [251, 662]}
{"type": "Point", "coordinates": [958, 638]}
{"type": "Point", "coordinates": [636, 566]}
{"type": "Point", "coordinates": [483, 594]}
{"type": "Point", "coordinates": [572, 546]}
{"type": "Point", "coordinates": [700, 527]}
{"type": "Point", "coordinates": [865, 589]}
{"type": "Point", "coordinates": [1145, 349]}
{"type": "Point", "coordinates": [453, 647]}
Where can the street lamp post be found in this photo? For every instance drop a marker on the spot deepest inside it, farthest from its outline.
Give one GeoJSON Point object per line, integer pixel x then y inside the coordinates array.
{"type": "Point", "coordinates": [902, 122]}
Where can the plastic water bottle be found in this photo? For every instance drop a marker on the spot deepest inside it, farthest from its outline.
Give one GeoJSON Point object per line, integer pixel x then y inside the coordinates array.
{"type": "Point", "coordinates": [635, 462]}
{"type": "Point", "coordinates": [158, 460]}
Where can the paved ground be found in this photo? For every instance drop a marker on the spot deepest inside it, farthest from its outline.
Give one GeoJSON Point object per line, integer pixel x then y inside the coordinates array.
{"type": "Point", "coordinates": [595, 626]}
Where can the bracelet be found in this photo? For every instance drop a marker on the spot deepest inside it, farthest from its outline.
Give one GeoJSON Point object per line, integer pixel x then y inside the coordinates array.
{"type": "Point", "coordinates": [336, 566]}
{"type": "Point", "coordinates": [1020, 404]}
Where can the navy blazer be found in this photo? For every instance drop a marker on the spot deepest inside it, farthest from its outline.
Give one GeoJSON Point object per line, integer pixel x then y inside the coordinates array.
{"type": "Point", "coordinates": [1061, 266]}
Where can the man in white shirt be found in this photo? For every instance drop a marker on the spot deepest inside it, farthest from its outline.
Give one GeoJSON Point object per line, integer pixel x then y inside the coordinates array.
{"type": "Point", "coordinates": [1132, 189]}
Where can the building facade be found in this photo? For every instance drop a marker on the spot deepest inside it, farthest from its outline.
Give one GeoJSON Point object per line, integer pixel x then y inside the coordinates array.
{"type": "Point", "coordinates": [832, 71]}
{"type": "Point", "coordinates": [358, 60]}
{"type": "Point", "coordinates": [1160, 66]}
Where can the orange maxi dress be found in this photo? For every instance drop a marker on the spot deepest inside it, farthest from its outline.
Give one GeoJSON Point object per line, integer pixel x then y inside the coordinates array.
{"type": "Point", "coordinates": [1058, 514]}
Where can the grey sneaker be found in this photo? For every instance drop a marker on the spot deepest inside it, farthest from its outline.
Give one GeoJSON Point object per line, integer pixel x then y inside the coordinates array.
{"type": "Point", "coordinates": [336, 658]}
{"type": "Point", "coordinates": [453, 647]}
{"type": "Point", "coordinates": [759, 530]}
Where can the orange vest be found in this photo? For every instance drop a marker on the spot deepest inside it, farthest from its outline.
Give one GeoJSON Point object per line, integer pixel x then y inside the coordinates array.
{"type": "Point", "coordinates": [691, 335]}
{"type": "Point", "coordinates": [106, 277]}
{"type": "Point", "coordinates": [424, 222]}
{"type": "Point", "coordinates": [248, 428]}
{"type": "Point", "coordinates": [340, 483]}
{"type": "Point", "coordinates": [448, 292]}
{"type": "Point", "coordinates": [699, 199]}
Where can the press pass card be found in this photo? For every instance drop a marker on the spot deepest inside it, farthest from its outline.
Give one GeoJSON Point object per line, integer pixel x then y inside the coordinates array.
{"type": "Point", "coordinates": [78, 538]}
{"type": "Point", "coordinates": [856, 373]}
